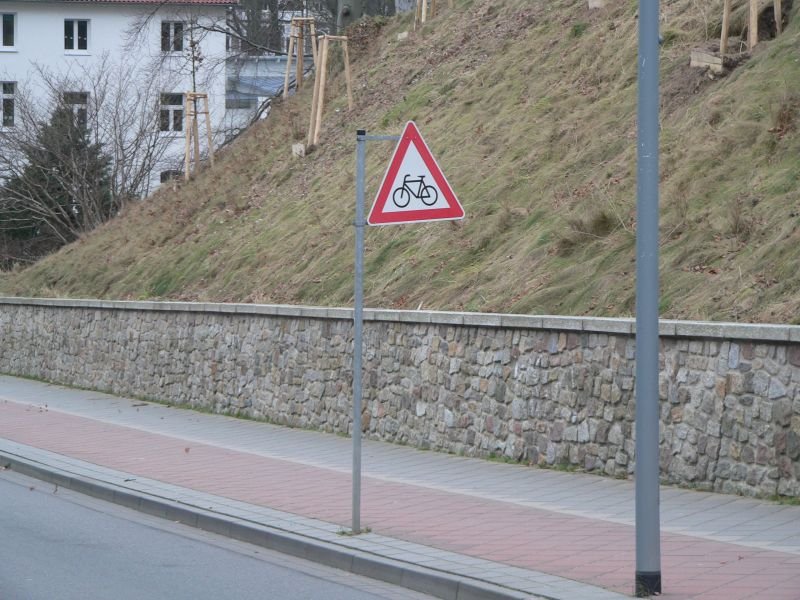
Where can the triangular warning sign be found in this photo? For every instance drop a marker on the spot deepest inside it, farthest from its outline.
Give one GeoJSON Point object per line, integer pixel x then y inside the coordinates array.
{"type": "Point", "coordinates": [414, 188]}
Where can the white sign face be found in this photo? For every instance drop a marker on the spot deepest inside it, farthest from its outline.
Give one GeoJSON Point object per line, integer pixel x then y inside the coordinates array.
{"type": "Point", "coordinates": [414, 189]}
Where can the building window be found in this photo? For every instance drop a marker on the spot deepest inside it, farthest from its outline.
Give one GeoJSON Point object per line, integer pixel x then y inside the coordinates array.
{"type": "Point", "coordinates": [7, 31]}
{"type": "Point", "coordinates": [171, 36]}
{"type": "Point", "coordinates": [233, 43]}
{"type": "Point", "coordinates": [78, 102]}
{"type": "Point", "coordinates": [76, 34]}
{"type": "Point", "coordinates": [7, 93]}
{"type": "Point", "coordinates": [171, 114]}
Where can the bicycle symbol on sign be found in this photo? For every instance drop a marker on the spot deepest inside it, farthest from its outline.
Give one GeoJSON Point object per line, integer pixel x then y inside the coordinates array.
{"type": "Point", "coordinates": [402, 195]}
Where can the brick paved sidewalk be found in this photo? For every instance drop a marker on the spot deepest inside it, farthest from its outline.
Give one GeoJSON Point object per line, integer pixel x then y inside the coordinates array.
{"type": "Point", "coordinates": [568, 525]}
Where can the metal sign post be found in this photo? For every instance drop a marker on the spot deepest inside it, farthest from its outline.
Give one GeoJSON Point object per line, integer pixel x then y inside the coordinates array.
{"type": "Point", "coordinates": [439, 203]}
{"type": "Point", "coordinates": [358, 317]}
{"type": "Point", "coordinates": [358, 325]}
{"type": "Point", "coordinates": [648, 543]}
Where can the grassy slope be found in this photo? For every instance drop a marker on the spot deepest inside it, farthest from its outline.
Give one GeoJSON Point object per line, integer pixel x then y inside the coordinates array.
{"type": "Point", "coordinates": [529, 106]}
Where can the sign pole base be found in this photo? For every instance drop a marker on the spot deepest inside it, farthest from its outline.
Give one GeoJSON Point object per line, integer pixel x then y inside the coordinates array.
{"type": "Point", "coordinates": [648, 584]}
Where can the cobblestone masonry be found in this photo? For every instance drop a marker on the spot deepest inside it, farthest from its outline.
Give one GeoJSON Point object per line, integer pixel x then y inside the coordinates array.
{"type": "Point", "coordinates": [549, 390]}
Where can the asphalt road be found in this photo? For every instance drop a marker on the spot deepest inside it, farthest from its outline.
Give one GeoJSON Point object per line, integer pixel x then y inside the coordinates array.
{"type": "Point", "coordinates": [59, 545]}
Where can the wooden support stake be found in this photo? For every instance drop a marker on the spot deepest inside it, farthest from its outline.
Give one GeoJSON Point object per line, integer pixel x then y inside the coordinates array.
{"type": "Point", "coordinates": [208, 132]}
{"type": "Point", "coordinates": [752, 35]}
{"type": "Point", "coordinates": [432, 8]}
{"type": "Point", "coordinates": [778, 16]}
{"type": "Point", "coordinates": [320, 77]}
{"type": "Point", "coordinates": [192, 131]}
{"type": "Point", "coordinates": [288, 64]}
{"type": "Point", "coordinates": [313, 32]}
{"type": "Point", "coordinates": [196, 136]}
{"type": "Point", "coordinates": [297, 46]}
{"type": "Point", "coordinates": [321, 97]}
{"type": "Point", "coordinates": [347, 77]}
{"type": "Point", "coordinates": [726, 25]}
{"type": "Point", "coordinates": [187, 159]}
{"type": "Point", "coordinates": [424, 11]}
{"type": "Point", "coordinates": [301, 49]}
{"type": "Point", "coordinates": [312, 125]}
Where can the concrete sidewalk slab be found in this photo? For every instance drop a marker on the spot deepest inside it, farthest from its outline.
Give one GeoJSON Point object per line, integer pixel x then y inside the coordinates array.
{"type": "Point", "coordinates": [527, 524]}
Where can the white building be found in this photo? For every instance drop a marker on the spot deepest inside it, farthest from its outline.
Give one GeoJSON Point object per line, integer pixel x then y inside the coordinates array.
{"type": "Point", "coordinates": [130, 60]}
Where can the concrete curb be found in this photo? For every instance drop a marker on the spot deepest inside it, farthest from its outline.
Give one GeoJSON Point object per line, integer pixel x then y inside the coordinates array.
{"type": "Point", "coordinates": [441, 584]}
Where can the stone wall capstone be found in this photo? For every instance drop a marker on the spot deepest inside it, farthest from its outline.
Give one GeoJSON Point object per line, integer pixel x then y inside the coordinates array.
{"type": "Point", "coordinates": [551, 391]}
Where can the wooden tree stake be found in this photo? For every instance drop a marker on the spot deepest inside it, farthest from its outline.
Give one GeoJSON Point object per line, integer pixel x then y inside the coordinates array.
{"type": "Point", "coordinates": [347, 76]}
{"type": "Point", "coordinates": [752, 27]}
{"type": "Point", "coordinates": [312, 125]}
{"type": "Point", "coordinates": [752, 34]}
{"type": "Point", "coordinates": [288, 67]}
{"type": "Point", "coordinates": [421, 13]}
{"type": "Point", "coordinates": [318, 90]}
{"type": "Point", "coordinates": [726, 25]}
{"type": "Point", "coordinates": [322, 74]}
{"type": "Point", "coordinates": [297, 47]}
{"type": "Point", "coordinates": [301, 50]}
{"type": "Point", "coordinates": [320, 77]}
{"type": "Point", "coordinates": [425, 9]}
{"type": "Point", "coordinates": [192, 131]}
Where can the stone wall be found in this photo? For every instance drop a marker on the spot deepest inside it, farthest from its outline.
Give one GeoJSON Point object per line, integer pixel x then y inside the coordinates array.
{"type": "Point", "coordinates": [554, 391]}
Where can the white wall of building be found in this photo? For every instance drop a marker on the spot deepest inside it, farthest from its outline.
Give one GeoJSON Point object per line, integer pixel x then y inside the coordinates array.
{"type": "Point", "coordinates": [113, 41]}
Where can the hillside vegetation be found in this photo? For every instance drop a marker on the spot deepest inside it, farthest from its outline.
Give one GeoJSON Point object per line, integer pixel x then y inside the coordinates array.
{"type": "Point", "coordinates": [530, 108]}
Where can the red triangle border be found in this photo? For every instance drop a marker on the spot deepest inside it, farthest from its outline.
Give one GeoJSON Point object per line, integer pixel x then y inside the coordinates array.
{"type": "Point", "coordinates": [454, 210]}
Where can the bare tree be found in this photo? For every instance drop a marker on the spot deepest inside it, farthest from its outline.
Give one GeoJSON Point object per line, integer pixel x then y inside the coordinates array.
{"type": "Point", "coordinates": [183, 33]}
{"type": "Point", "coordinates": [82, 145]}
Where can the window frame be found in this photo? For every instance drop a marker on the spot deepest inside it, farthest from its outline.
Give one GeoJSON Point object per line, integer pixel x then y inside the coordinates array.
{"type": "Point", "coordinates": [6, 99]}
{"type": "Point", "coordinates": [171, 114]}
{"type": "Point", "coordinates": [80, 108]}
{"type": "Point", "coordinates": [13, 46]}
{"type": "Point", "coordinates": [76, 38]}
{"type": "Point", "coordinates": [171, 42]}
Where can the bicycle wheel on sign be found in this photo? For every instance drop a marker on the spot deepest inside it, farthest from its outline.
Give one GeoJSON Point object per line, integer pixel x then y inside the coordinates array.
{"type": "Point", "coordinates": [429, 195]}
{"type": "Point", "coordinates": [401, 197]}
